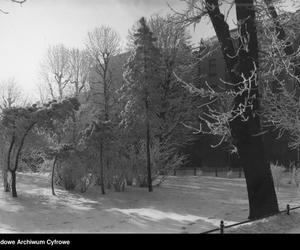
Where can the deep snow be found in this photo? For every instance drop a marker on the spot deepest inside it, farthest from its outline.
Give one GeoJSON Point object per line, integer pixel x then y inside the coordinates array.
{"type": "Point", "coordinates": [180, 205]}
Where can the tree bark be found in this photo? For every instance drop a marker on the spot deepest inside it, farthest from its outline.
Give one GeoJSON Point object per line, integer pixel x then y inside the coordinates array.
{"type": "Point", "coordinates": [260, 186]}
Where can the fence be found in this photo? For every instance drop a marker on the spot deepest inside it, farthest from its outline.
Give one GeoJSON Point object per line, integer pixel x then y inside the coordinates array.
{"type": "Point", "coordinates": [215, 171]}
{"type": "Point", "coordinates": [222, 227]}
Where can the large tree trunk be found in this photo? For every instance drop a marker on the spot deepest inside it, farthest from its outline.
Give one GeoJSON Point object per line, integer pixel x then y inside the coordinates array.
{"type": "Point", "coordinates": [260, 186]}
{"type": "Point", "coordinates": [13, 184]}
{"type": "Point", "coordinates": [149, 178]}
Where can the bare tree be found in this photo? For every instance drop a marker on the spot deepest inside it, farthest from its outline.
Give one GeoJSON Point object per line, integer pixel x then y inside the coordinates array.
{"type": "Point", "coordinates": [43, 92]}
{"type": "Point", "coordinates": [80, 64]}
{"type": "Point", "coordinates": [10, 93]}
{"type": "Point", "coordinates": [55, 70]}
{"type": "Point", "coordinates": [103, 43]}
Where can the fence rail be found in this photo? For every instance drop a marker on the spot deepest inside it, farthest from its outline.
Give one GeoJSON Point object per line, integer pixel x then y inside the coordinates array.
{"type": "Point", "coordinates": [222, 226]}
{"type": "Point", "coordinates": [215, 170]}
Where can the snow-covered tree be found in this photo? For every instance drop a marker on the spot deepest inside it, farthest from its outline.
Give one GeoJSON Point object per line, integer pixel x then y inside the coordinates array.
{"type": "Point", "coordinates": [172, 40]}
{"type": "Point", "coordinates": [19, 122]}
{"type": "Point", "coordinates": [142, 89]}
{"type": "Point", "coordinates": [97, 136]}
{"type": "Point", "coordinates": [240, 121]}
{"type": "Point", "coordinates": [10, 94]}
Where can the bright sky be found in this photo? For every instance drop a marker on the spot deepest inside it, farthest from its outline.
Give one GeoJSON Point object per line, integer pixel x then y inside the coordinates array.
{"type": "Point", "coordinates": [27, 31]}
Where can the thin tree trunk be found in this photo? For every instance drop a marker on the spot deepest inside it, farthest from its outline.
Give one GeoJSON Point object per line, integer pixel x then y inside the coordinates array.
{"type": "Point", "coordinates": [107, 171]}
{"type": "Point", "coordinates": [52, 176]}
{"type": "Point", "coordinates": [5, 181]}
{"type": "Point", "coordinates": [149, 178]}
{"type": "Point", "coordinates": [102, 169]}
{"type": "Point", "coordinates": [260, 186]}
{"type": "Point", "coordinates": [13, 171]}
{"type": "Point", "coordinates": [21, 145]}
{"type": "Point", "coordinates": [13, 184]}
{"type": "Point", "coordinates": [6, 184]}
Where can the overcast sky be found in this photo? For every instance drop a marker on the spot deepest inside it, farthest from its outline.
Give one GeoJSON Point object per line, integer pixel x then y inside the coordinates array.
{"type": "Point", "coordinates": [27, 31]}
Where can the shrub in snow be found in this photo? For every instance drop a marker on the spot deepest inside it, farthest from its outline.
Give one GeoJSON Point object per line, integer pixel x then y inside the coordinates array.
{"type": "Point", "coordinates": [134, 182]}
{"type": "Point", "coordinates": [229, 174]}
{"type": "Point", "coordinates": [296, 175]}
{"type": "Point", "coordinates": [277, 173]}
{"type": "Point", "coordinates": [199, 172]}
{"type": "Point", "coordinates": [86, 181]}
{"type": "Point", "coordinates": [142, 180]}
{"type": "Point", "coordinates": [119, 183]}
{"type": "Point", "coordinates": [70, 171]}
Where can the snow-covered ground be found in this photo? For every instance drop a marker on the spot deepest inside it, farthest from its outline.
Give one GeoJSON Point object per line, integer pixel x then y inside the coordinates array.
{"type": "Point", "coordinates": [180, 205]}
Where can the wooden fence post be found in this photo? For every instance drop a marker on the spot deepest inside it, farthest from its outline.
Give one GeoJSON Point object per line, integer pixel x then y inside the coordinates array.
{"type": "Point", "coordinates": [222, 227]}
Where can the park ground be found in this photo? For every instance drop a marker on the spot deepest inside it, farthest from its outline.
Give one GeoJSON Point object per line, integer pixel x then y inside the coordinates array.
{"type": "Point", "coordinates": [182, 204]}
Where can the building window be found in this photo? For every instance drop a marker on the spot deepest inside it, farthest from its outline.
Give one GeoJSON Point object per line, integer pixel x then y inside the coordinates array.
{"type": "Point", "coordinates": [212, 67]}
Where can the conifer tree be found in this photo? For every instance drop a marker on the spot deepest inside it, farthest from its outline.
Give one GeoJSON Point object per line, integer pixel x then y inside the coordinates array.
{"type": "Point", "coordinates": [142, 88]}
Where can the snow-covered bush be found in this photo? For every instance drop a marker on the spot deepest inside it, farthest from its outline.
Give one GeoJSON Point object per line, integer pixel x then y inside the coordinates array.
{"type": "Point", "coordinates": [116, 175]}
{"type": "Point", "coordinates": [277, 173]}
{"type": "Point", "coordinates": [70, 172]}
{"type": "Point", "coordinates": [295, 174]}
{"type": "Point", "coordinates": [229, 174]}
{"type": "Point", "coordinates": [199, 172]}
{"type": "Point", "coordinates": [86, 181]}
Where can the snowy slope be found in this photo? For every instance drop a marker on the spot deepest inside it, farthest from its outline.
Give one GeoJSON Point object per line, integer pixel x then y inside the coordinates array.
{"type": "Point", "coordinates": [180, 205]}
